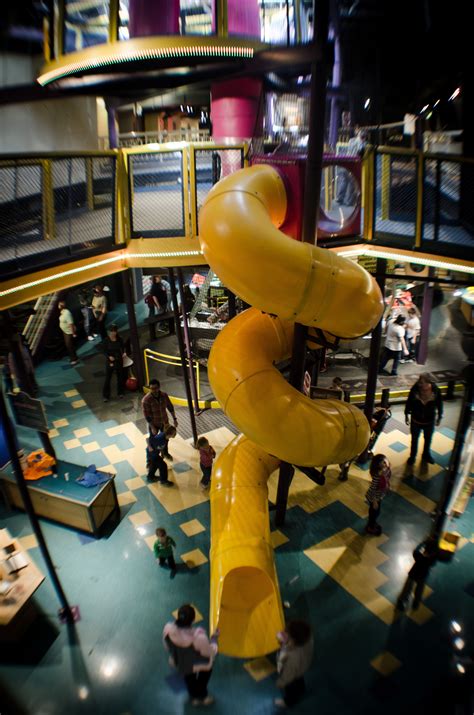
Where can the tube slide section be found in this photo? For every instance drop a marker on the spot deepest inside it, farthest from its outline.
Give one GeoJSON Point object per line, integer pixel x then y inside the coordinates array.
{"type": "Point", "coordinates": [290, 282]}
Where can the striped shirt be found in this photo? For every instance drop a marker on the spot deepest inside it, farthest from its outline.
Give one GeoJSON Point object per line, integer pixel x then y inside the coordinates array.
{"type": "Point", "coordinates": [374, 492]}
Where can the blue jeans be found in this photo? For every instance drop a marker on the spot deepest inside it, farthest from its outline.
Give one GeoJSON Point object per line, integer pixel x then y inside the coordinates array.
{"type": "Point", "coordinates": [416, 429]}
{"type": "Point", "coordinates": [206, 474]}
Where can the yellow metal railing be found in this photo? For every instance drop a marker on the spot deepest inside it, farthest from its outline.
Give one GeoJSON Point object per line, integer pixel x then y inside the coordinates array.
{"type": "Point", "coordinates": [150, 355]}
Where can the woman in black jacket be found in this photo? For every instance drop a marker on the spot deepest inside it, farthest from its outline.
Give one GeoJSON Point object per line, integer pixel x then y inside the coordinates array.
{"type": "Point", "coordinates": [425, 406]}
{"type": "Point", "coordinates": [114, 348]}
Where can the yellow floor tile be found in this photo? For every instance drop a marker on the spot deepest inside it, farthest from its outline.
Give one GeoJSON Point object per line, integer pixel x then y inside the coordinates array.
{"type": "Point", "coordinates": [184, 495]}
{"type": "Point", "coordinates": [421, 615]}
{"type": "Point", "coordinates": [83, 432]}
{"type": "Point", "coordinates": [278, 538]}
{"type": "Point", "coordinates": [72, 443]}
{"type": "Point", "coordinates": [91, 447]}
{"type": "Point", "coordinates": [126, 498]}
{"type": "Point", "coordinates": [113, 454]}
{"type": "Point", "coordinates": [78, 403]}
{"type": "Point", "coordinates": [385, 663]}
{"type": "Point", "coordinates": [109, 469]}
{"type": "Point", "coordinates": [442, 444]}
{"type": "Point", "coordinates": [28, 542]}
{"type": "Point", "coordinates": [61, 423]}
{"type": "Point", "coordinates": [193, 527]}
{"type": "Point", "coordinates": [198, 618]}
{"type": "Point", "coordinates": [140, 518]}
{"type": "Point", "coordinates": [71, 393]}
{"type": "Point", "coordinates": [150, 541]}
{"type": "Point", "coordinates": [194, 558]}
{"type": "Point", "coordinates": [135, 483]}
{"type": "Point", "coordinates": [351, 559]}
{"type": "Point", "coordinates": [53, 433]}
{"type": "Point", "coordinates": [259, 668]}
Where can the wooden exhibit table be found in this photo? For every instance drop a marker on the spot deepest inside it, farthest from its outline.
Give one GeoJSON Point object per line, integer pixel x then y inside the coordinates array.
{"type": "Point", "coordinates": [16, 608]}
{"type": "Point", "coordinates": [66, 501]}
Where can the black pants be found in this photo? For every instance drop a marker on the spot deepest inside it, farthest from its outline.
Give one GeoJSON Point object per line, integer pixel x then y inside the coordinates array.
{"type": "Point", "coordinates": [206, 474]}
{"type": "Point", "coordinates": [411, 585]}
{"type": "Point", "coordinates": [98, 326]}
{"type": "Point", "coordinates": [416, 430]}
{"type": "Point", "coordinates": [109, 371]}
{"type": "Point", "coordinates": [196, 684]}
{"type": "Point", "coordinates": [387, 355]}
{"type": "Point", "coordinates": [373, 515]}
{"type": "Point", "coordinates": [69, 342]}
{"type": "Point", "coordinates": [171, 561]}
{"type": "Point", "coordinates": [156, 461]}
{"type": "Point", "coordinates": [294, 691]}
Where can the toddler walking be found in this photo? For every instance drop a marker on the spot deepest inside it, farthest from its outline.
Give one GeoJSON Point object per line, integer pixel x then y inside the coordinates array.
{"type": "Point", "coordinates": [163, 548]}
{"type": "Point", "coordinates": [206, 457]}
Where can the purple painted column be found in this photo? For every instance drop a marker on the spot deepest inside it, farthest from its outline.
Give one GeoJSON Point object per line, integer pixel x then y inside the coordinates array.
{"type": "Point", "coordinates": [243, 18]}
{"type": "Point", "coordinates": [153, 18]}
{"type": "Point", "coordinates": [336, 83]}
{"type": "Point", "coordinates": [112, 126]}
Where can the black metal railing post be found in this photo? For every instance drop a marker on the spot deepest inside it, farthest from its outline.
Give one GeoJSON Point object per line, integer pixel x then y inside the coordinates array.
{"type": "Point", "coordinates": [187, 342]}
{"type": "Point", "coordinates": [314, 167]}
{"type": "Point", "coordinates": [182, 352]}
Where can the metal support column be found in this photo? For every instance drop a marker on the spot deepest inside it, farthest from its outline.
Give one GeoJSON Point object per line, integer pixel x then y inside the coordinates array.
{"type": "Point", "coordinates": [182, 352]}
{"type": "Point", "coordinates": [132, 321]}
{"type": "Point", "coordinates": [187, 343]}
{"type": "Point", "coordinates": [374, 356]}
{"type": "Point", "coordinates": [66, 611]}
{"type": "Point", "coordinates": [425, 320]}
{"type": "Point", "coordinates": [314, 167]}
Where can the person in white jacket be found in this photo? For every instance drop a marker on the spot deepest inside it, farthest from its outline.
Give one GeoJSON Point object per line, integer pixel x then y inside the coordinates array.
{"type": "Point", "coordinates": [192, 653]}
{"type": "Point", "coordinates": [293, 660]}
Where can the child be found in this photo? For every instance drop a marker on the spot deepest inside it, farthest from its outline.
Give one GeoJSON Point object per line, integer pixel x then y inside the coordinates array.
{"type": "Point", "coordinates": [155, 445]}
{"type": "Point", "coordinates": [206, 457]}
{"type": "Point", "coordinates": [337, 384]}
{"type": "Point", "coordinates": [163, 548]}
{"type": "Point", "coordinates": [379, 487]}
{"type": "Point", "coordinates": [293, 660]}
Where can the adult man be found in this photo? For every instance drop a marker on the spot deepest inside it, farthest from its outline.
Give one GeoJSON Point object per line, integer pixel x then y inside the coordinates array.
{"type": "Point", "coordinates": [99, 311]}
{"type": "Point", "coordinates": [394, 345]}
{"type": "Point", "coordinates": [68, 329]}
{"type": "Point", "coordinates": [155, 406]}
{"type": "Point", "coordinates": [425, 406]}
{"type": "Point", "coordinates": [412, 333]}
{"type": "Point", "coordinates": [158, 297]}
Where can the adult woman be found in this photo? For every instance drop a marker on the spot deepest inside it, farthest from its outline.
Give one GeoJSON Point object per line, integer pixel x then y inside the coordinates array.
{"type": "Point", "coordinates": [379, 487]}
{"type": "Point", "coordinates": [425, 406]}
{"type": "Point", "coordinates": [192, 653]}
{"type": "Point", "coordinates": [114, 349]}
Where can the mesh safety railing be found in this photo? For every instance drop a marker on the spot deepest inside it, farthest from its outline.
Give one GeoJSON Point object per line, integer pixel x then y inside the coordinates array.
{"type": "Point", "coordinates": [208, 166]}
{"type": "Point", "coordinates": [395, 196]}
{"type": "Point", "coordinates": [158, 193]}
{"type": "Point", "coordinates": [54, 208]}
{"type": "Point", "coordinates": [448, 209]}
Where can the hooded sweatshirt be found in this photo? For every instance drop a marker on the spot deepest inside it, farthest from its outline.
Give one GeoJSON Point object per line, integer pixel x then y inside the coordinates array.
{"type": "Point", "coordinates": [190, 648]}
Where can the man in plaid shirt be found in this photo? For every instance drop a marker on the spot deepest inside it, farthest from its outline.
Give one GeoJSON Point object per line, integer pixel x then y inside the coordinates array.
{"type": "Point", "coordinates": [155, 406]}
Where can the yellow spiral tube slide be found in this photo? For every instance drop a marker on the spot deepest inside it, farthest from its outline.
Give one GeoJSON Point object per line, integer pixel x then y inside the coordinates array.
{"type": "Point", "coordinates": [298, 283]}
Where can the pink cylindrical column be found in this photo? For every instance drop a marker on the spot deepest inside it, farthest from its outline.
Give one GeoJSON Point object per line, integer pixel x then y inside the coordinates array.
{"type": "Point", "coordinates": [243, 18]}
{"type": "Point", "coordinates": [153, 18]}
{"type": "Point", "coordinates": [236, 110]}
